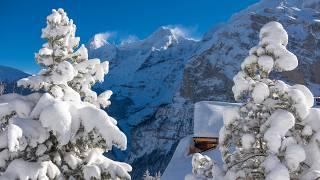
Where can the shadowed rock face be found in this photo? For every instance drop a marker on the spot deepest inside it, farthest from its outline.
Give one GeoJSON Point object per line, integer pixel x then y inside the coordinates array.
{"type": "Point", "coordinates": [156, 102]}
{"type": "Point", "coordinates": [315, 76]}
{"type": "Point", "coordinates": [158, 137]}
{"type": "Point", "coordinates": [202, 80]}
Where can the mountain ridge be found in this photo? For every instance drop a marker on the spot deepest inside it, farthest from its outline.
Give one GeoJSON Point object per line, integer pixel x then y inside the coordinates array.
{"type": "Point", "coordinates": [10, 74]}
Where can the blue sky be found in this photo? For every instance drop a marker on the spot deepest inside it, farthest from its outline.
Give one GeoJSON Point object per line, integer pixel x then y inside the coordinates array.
{"type": "Point", "coordinates": [22, 20]}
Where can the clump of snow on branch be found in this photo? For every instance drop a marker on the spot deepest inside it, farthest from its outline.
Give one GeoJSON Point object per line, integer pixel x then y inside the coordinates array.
{"type": "Point", "coordinates": [275, 133]}
{"type": "Point", "coordinates": [60, 132]}
{"type": "Point", "coordinates": [201, 167]}
{"type": "Point", "coordinates": [280, 122]}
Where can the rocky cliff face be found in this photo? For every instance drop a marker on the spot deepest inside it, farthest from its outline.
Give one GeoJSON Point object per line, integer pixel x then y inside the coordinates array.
{"type": "Point", "coordinates": [156, 81]}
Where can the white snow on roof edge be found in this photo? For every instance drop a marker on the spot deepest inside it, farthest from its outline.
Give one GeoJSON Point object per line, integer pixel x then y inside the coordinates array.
{"type": "Point", "coordinates": [208, 117]}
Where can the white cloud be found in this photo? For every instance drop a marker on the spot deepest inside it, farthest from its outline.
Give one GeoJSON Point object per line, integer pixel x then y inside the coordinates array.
{"type": "Point", "coordinates": [128, 40]}
{"type": "Point", "coordinates": [189, 32]}
{"type": "Point", "coordinates": [101, 39]}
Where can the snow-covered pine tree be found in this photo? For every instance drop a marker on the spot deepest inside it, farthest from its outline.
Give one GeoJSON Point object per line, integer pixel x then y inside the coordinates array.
{"type": "Point", "coordinates": [275, 134]}
{"type": "Point", "coordinates": [148, 176]}
{"type": "Point", "coordinates": [2, 88]}
{"type": "Point", "coordinates": [272, 135]}
{"type": "Point", "coordinates": [57, 133]}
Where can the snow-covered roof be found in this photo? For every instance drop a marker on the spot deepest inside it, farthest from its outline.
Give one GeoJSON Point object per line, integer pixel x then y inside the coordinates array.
{"type": "Point", "coordinates": [181, 162]}
{"type": "Point", "coordinates": [208, 117]}
{"type": "Point", "coordinates": [207, 122]}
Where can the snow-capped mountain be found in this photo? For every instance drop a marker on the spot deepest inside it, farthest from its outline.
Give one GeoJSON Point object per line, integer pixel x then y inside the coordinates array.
{"type": "Point", "coordinates": [8, 74]}
{"type": "Point", "coordinates": [147, 73]}
{"type": "Point", "coordinates": [144, 77]}
{"type": "Point", "coordinates": [156, 81]}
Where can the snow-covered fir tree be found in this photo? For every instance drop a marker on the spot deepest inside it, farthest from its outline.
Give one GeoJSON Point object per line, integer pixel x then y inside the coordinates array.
{"type": "Point", "coordinates": [275, 134]}
{"type": "Point", "coordinates": [59, 131]}
{"type": "Point", "coordinates": [148, 176]}
{"type": "Point", "coordinates": [2, 88]}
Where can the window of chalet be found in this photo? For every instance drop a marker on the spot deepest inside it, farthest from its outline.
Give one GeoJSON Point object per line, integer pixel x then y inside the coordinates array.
{"type": "Point", "coordinates": [201, 144]}
{"type": "Point", "coordinates": [317, 101]}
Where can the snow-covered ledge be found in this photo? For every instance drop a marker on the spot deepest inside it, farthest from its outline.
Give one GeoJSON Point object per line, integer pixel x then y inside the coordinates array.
{"type": "Point", "coordinates": [207, 123]}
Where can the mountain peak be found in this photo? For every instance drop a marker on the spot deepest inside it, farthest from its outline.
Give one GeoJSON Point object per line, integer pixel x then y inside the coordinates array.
{"type": "Point", "coordinates": [165, 36]}
{"type": "Point", "coordinates": [165, 31]}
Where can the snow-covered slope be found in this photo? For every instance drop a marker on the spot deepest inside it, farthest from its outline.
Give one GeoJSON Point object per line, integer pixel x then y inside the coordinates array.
{"type": "Point", "coordinates": [180, 164]}
{"type": "Point", "coordinates": [156, 81]}
{"type": "Point", "coordinates": [8, 74]}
